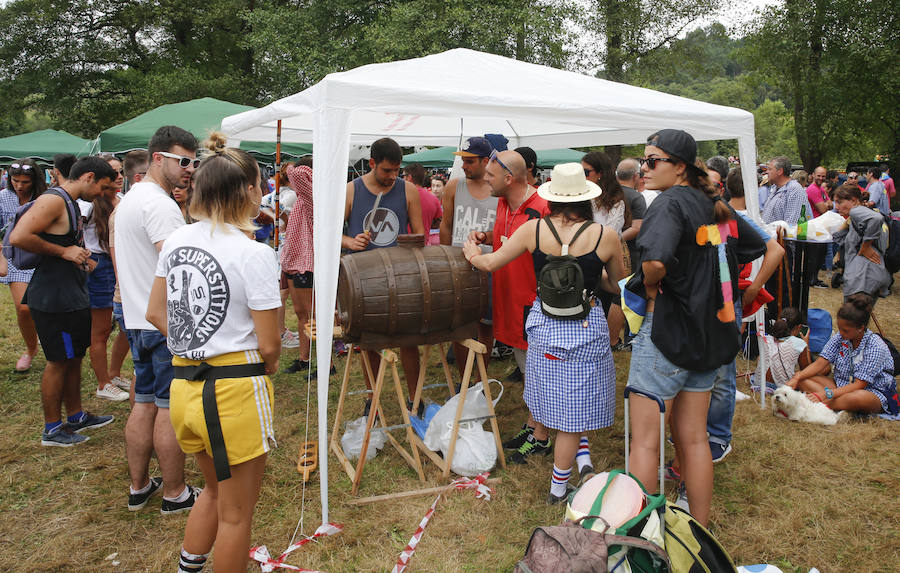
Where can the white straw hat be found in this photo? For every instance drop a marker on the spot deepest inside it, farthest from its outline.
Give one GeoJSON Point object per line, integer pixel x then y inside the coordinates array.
{"type": "Point", "coordinates": [568, 185]}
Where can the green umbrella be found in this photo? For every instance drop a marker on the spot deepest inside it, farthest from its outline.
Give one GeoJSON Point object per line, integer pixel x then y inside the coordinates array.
{"type": "Point", "coordinates": [443, 157]}
{"type": "Point", "coordinates": [43, 144]}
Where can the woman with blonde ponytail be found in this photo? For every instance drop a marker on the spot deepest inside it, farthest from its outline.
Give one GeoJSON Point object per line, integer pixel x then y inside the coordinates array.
{"type": "Point", "coordinates": [691, 244]}
{"type": "Point", "coordinates": [215, 296]}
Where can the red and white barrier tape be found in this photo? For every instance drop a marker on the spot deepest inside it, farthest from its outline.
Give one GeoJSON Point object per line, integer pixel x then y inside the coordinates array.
{"type": "Point", "coordinates": [261, 555]}
{"type": "Point", "coordinates": [481, 492]}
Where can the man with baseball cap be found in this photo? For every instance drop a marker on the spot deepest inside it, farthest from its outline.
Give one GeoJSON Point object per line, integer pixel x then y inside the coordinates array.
{"type": "Point", "coordinates": [469, 206]}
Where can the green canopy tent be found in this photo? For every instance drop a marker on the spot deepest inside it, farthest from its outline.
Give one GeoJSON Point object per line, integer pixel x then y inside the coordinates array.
{"type": "Point", "coordinates": [43, 145]}
{"type": "Point", "coordinates": [443, 157]}
{"type": "Point", "coordinates": [200, 116]}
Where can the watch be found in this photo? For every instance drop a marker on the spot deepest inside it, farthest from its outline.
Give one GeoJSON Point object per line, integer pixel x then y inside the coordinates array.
{"type": "Point", "coordinates": [829, 393]}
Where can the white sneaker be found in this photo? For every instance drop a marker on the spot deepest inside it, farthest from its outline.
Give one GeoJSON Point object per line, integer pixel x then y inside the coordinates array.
{"type": "Point", "coordinates": [113, 393]}
{"type": "Point", "coordinates": [289, 339]}
{"type": "Point", "coordinates": [122, 383]}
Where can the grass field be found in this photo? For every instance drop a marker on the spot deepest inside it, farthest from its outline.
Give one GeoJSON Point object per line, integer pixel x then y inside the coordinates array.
{"type": "Point", "coordinates": [789, 494]}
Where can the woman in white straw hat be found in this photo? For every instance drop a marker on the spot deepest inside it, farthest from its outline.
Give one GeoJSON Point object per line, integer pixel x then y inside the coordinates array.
{"type": "Point", "coordinates": [570, 379]}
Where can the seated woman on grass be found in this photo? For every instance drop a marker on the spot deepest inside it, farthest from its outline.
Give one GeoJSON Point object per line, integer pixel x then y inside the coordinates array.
{"type": "Point", "coordinates": [863, 379]}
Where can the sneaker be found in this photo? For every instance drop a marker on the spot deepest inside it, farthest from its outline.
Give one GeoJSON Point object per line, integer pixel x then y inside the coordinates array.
{"type": "Point", "coordinates": [516, 441]}
{"type": "Point", "coordinates": [113, 393]}
{"type": "Point", "coordinates": [586, 473]}
{"type": "Point", "coordinates": [90, 421]}
{"type": "Point", "coordinates": [296, 366]}
{"type": "Point", "coordinates": [23, 364]}
{"type": "Point", "coordinates": [818, 284]}
{"type": "Point", "coordinates": [671, 473]}
{"type": "Point", "coordinates": [515, 376]}
{"type": "Point", "coordinates": [553, 500]}
{"type": "Point", "coordinates": [137, 501]}
{"type": "Point", "coordinates": [170, 507]}
{"type": "Point", "coordinates": [122, 383]}
{"type": "Point", "coordinates": [421, 410]}
{"type": "Point", "coordinates": [719, 451]}
{"type": "Point", "coordinates": [682, 500]}
{"type": "Point", "coordinates": [530, 448]}
{"type": "Point", "coordinates": [289, 339]}
{"type": "Point", "coordinates": [368, 408]}
{"type": "Point", "coordinates": [62, 437]}
{"type": "Point", "coordinates": [621, 345]}
{"type": "Point", "coordinates": [340, 348]}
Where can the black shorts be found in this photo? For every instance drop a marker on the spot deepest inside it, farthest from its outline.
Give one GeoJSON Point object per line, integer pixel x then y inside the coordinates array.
{"type": "Point", "coordinates": [301, 280]}
{"type": "Point", "coordinates": [63, 335]}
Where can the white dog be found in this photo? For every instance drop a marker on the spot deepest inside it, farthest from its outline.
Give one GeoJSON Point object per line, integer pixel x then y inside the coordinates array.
{"type": "Point", "coordinates": [793, 405]}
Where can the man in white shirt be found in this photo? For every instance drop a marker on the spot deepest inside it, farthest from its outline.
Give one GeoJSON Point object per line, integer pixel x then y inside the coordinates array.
{"type": "Point", "coordinates": [146, 216]}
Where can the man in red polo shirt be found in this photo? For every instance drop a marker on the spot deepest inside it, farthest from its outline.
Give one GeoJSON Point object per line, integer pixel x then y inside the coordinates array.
{"type": "Point", "coordinates": [515, 285]}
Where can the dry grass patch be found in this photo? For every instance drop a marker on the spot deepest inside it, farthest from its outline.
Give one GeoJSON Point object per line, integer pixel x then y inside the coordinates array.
{"type": "Point", "coordinates": [791, 494]}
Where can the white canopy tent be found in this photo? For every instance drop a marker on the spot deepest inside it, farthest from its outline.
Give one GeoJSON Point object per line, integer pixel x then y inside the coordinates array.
{"type": "Point", "coordinates": [479, 93]}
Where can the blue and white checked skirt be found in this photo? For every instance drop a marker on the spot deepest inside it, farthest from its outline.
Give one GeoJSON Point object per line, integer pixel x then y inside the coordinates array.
{"type": "Point", "coordinates": [570, 380]}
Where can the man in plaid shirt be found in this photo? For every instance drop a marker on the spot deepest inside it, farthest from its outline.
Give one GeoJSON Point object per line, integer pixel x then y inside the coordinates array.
{"type": "Point", "coordinates": [788, 196]}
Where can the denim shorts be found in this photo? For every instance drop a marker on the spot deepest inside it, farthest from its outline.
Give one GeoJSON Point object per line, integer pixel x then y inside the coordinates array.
{"type": "Point", "coordinates": [101, 282]}
{"type": "Point", "coordinates": [652, 372]}
{"type": "Point", "coordinates": [119, 316]}
{"type": "Point", "coordinates": [153, 370]}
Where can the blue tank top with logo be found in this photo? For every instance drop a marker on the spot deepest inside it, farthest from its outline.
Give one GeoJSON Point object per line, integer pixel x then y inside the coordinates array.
{"type": "Point", "coordinates": [387, 222]}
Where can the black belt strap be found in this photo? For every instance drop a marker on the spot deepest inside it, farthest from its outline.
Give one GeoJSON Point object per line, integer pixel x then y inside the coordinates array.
{"type": "Point", "coordinates": [209, 374]}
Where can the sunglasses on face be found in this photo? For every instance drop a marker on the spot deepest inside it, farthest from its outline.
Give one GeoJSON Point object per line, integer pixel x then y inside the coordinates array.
{"type": "Point", "coordinates": [496, 157]}
{"type": "Point", "coordinates": [651, 162]}
{"type": "Point", "coordinates": [183, 161]}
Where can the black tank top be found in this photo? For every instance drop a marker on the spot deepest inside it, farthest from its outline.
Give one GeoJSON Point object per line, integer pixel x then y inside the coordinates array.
{"type": "Point", "coordinates": [590, 263]}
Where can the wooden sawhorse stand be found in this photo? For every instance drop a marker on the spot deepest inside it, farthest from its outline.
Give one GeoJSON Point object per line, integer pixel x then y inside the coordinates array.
{"type": "Point", "coordinates": [388, 360]}
{"type": "Point", "coordinates": [476, 355]}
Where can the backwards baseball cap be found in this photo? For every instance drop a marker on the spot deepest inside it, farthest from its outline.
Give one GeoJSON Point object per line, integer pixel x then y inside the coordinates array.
{"type": "Point", "coordinates": [475, 147]}
{"type": "Point", "coordinates": [677, 143]}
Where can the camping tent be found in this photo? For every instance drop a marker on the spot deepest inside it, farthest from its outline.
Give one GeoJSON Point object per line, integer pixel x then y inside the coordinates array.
{"type": "Point", "coordinates": [443, 157]}
{"type": "Point", "coordinates": [199, 116]}
{"type": "Point", "coordinates": [43, 144]}
{"type": "Point", "coordinates": [532, 105]}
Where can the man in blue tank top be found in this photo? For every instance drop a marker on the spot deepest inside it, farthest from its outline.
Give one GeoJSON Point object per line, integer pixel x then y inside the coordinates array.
{"type": "Point", "coordinates": [379, 207]}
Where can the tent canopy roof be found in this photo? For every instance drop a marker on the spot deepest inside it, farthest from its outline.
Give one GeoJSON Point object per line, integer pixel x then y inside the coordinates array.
{"type": "Point", "coordinates": [530, 104]}
{"type": "Point", "coordinates": [43, 144]}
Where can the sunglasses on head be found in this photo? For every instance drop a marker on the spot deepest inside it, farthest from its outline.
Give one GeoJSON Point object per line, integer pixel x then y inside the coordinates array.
{"type": "Point", "coordinates": [495, 157]}
{"type": "Point", "coordinates": [21, 166]}
{"type": "Point", "coordinates": [183, 161]}
{"type": "Point", "coordinates": [651, 162]}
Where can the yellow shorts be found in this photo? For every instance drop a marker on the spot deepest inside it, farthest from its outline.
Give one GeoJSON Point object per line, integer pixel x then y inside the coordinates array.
{"type": "Point", "coordinates": [245, 410]}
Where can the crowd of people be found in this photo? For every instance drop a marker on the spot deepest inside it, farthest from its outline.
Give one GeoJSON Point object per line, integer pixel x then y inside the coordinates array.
{"type": "Point", "coordinates": [166, 244]}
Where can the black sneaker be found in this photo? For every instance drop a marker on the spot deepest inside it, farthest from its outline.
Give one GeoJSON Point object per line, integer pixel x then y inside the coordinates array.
{"type": "Point", "coordinates": [530, 448]}
{"type": "Point", "coordinates": [137, 501]}
{"type": "Point", "coordinates": [515, 376]}
{"type": "Point", "coordinates": [90, 421]}
{"type": "Point", "coordinates": [170, 507]}
{"type": "Point", "coordinates": [296, 366]}
{"type": "Point", "coordinates": [368, 409]}
{"type": "Point", "coordinates": [818, 284]}
{"type": "Point", "coordinates": [586, 473]}
{"type": "Point", "coordinates": [421, 410]}
{"type": "Point", "coordinates": [516, 441]}
{"type": "Point", "coordinates": [553, 500]}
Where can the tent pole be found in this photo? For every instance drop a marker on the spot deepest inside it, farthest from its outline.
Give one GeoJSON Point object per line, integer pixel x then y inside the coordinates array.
{"type": "Point", "coordinates": [277, 183]}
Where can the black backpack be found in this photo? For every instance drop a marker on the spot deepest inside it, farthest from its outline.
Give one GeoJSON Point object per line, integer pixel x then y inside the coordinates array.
{"type": "Point", "coordinates": [892, 252]}
{"type": "Point", "coordinates": [560, 284]}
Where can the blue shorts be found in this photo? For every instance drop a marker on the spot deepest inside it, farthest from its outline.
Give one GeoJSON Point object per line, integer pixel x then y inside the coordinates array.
{"type": "Point", "coordinates": [652, 372]}
{"type": "Point", "coordinates": [153, 370]}
{"type": "Point", "coordinates": [119, 316]}
{"type": "Point", "coordinates": [101, 282]}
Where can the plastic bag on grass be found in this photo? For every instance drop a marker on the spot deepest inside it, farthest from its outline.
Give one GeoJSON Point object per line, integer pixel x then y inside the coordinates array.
{"type": "Point", "coordinates": [352, 439]}
{"type": "Point", "coordinates": [442, 422]}
{"type": "Point", "coordinates": [475, 450]}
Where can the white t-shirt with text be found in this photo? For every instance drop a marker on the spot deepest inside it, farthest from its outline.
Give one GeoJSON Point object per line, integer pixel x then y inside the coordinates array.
{"type": "Point", "coordinates": [145, 216]}
{"type": "Point", "coordinates": [214, 278]}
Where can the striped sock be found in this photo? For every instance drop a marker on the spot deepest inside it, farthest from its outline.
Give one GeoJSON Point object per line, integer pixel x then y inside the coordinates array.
{"type": "Point", "coordinates": [190, 563]}
{"type": "Point", "coordinates": [583, 457]}
{"type": "Point", "coordinates": [559, 480]}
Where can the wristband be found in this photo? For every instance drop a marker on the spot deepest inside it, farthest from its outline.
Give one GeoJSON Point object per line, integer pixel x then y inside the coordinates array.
{"type": "Point", "coordinates": [829, 393]}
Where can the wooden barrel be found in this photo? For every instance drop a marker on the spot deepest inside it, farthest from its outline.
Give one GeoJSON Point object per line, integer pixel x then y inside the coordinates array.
{"type": "Point", "coordinates": [402, 296]}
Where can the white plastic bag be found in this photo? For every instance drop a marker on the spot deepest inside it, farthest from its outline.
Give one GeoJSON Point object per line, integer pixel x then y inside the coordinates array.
{"type": "Point", "coordinates": [475, 449]}
{"type": "Point", "coordinates": [352, 439]}
{"type": "Point", "coordinates": [475, 407]}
